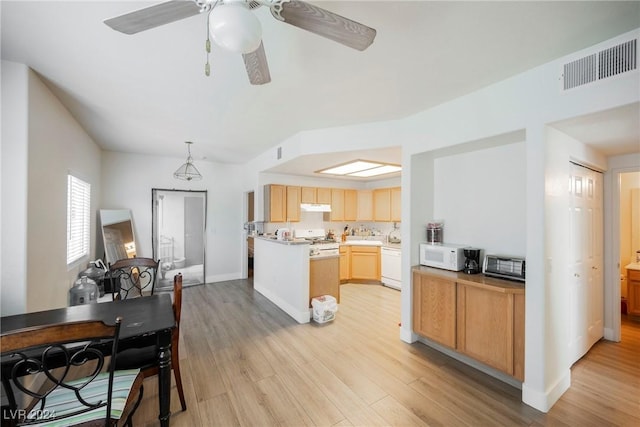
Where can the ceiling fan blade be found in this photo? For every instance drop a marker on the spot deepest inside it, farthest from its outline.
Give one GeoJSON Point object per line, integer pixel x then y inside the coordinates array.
{"type": "Point", "coordinates": [153, 16]}
{"type": "Point", "coordinates": [257, 67]}
{"type": "Point", "coordinates": [327, 24]}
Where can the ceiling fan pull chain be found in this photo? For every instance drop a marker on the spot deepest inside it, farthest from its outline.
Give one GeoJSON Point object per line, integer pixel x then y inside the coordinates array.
{"type": "Point", "coordinates": [207, 47]}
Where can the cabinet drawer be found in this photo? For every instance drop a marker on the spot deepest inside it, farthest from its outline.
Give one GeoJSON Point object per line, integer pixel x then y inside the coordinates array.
{"type": "Point", "coordinates": [365, 249]}
{"type": "Point", "coordinates": [633, 274]}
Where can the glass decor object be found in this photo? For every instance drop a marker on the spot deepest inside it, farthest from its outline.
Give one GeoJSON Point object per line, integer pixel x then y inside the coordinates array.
{"type": "Point", "coordinates": [188, 171]}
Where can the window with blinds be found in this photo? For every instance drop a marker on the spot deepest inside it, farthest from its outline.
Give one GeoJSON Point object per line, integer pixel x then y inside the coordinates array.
{"type": "Point", "coordinates": [78, 218]}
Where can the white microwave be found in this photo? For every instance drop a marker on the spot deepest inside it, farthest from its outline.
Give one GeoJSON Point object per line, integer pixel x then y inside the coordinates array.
{"type": "Point", "coordinates": [446, 255]}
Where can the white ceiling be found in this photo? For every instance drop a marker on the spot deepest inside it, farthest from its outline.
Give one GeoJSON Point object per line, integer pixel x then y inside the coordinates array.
{"type": "Point", "coordinates": [147, 93]}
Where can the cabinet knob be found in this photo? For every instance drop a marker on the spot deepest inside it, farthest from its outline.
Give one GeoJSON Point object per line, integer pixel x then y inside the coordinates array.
{"type": "Point", "coordinates": [576, 275]}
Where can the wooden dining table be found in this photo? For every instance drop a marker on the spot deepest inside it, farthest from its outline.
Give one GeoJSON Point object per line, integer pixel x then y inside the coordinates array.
{"type": "Point", "coordinates": [144, 319]}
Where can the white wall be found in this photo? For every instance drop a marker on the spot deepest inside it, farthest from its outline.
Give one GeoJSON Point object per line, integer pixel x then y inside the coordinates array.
{"type": "Point", "coordinates": [127, 180]}
{"type": "Point", "coordinates": [14, 147]}
{"type": "Point", "coordinates": [481, 197]}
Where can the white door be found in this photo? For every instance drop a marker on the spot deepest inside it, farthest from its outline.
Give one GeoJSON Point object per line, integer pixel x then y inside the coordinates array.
{"type": "Point", "coordinates": [586, 297]}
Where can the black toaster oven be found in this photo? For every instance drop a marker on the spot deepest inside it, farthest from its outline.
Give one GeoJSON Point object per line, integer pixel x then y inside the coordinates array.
{"type": "Point", "coordinates": [504, 267]}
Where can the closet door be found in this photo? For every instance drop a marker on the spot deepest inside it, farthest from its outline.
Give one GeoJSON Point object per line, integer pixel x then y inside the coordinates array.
{"type": "Point", "coordinates": [586, 293]}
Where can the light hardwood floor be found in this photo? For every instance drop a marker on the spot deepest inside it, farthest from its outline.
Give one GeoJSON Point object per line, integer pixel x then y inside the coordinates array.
{"type": "Point", "coordinates": [244, 362]}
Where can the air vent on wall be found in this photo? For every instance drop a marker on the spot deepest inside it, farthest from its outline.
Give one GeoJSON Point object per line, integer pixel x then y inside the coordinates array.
{"type": "Point", "coordinates": [601, 65]}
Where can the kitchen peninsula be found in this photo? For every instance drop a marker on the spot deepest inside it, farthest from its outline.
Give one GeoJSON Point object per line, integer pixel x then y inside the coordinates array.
{"type": "Point", "coordinates": [281, 274]}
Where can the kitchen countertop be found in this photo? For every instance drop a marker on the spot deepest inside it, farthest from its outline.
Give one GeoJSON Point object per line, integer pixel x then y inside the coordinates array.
{"type": "Point", "coordinates": [478, 280]}
{"type": "Point", "coordinates": [284, 242]}
{"type": "Point", "coordinates": [633, 266]}
{"type": "Point", "coordinates": [315, 258]}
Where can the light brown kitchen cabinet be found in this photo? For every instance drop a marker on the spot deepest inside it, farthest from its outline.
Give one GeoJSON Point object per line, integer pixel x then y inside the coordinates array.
{"type": "Point", "coordinates": [345, 262]}
{"type": "Point", "coordinates": [364, 205]}
{"type": "Point", "coordinates": [434, 308]}
{"type": "Point", "coordinates": [293, 204]}
{"type": "Point", "coordinates": [486, 314]}
{"type": "Point", "coordinates": [396, 204]}
{"type": "Point", "coordinates": [323, 195]}
{"type": "Point", "coordinates": [486, 322]}
{"type": "Point", "coordinates": [350, 205]}
{"type": "Point", "coordinates": [308, 195]}
{"type": "Point", "coordinates": [633, 293]}
{"type": "Point", "coordinates": [324, 278]}
{"type": "Point", "coordinates": [275, 203]}
{"type": "Point", "coordinates": [382, 204]}
{"type": "Point", "coordinates": [337, 204]}
{"type": "Point", "coordinates": [365, 262]}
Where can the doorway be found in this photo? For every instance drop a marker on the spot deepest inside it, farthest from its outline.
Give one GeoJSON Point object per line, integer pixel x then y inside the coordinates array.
{"type": "Point", "coordinates": [178, 235]}
{"type": "Point", "coordinates": [629, 217]}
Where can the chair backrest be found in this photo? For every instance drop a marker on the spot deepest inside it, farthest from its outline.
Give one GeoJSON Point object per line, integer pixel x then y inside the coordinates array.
{"type": "Point", "coordinates": [54, 356]}
{"type": "Point", "coordinates": [133, 277]}
{"type": "Point", "coordinates": [177, 297]}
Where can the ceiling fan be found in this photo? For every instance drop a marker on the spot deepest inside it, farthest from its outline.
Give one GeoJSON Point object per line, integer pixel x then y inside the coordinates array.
{"type": "Point", "coordinates": [233, 26]}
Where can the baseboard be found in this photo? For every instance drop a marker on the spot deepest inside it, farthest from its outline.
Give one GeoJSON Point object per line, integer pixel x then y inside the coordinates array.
{"type": "Point", "coordinates": [298, 316]}
{"type": "Point", "coordinates": [543, 401]}
{"type": "Point", "coordinates": [407, 335]}
{"type": "Point", "coordinates": [472, 362]}
{"type": "Point", "coordinates": [223, 277]}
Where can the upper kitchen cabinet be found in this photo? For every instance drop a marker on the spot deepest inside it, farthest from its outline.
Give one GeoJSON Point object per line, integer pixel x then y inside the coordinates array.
{"type": "Point", "coordinates": [396, 204]}
{"type": "Point", "coordinates": [387, 204]}
{"type": "Point", "coordinates": [350, 205]}
{"type": "Point", "coordinates": [323, 196]}
{"type": "Point", "coordinates": [364, 205]}
{"type": "Point", "coordinates": [275, 203]}
{"type": "Point", "coordinates": [293, 203]}
{"type": "Point", "coordinates": [281, 203]}
{"type": "Point", "coordinates": [315, 195]}
{"type": "Point", "coordinates": [308, 195]}
{"type": "Point", "coordinates": [337, 204]}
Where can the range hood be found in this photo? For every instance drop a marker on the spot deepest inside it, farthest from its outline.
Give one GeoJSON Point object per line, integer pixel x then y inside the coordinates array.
{"type": "Point", "coordinates": [315, 207]}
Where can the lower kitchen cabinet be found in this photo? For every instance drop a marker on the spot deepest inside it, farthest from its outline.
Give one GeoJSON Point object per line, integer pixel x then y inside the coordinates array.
{"type": "Point", "coordinates": [345, 262]}
{"type": "Point", "coordinates": [365, 262]}
{"type": "Point", "coordinates": [481, 317]}
{"type": "Point", "coordinates": [324, 278]}
{"type": "Point", "coordinates": [434, 308]}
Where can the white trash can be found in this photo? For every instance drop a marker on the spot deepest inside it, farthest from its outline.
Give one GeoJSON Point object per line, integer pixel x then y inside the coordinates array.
{"type": "Point", "coordinates": [324, 308]}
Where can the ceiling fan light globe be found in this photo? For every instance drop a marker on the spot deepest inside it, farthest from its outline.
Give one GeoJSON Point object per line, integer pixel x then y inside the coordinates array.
{"type": "Point", "coordinates": [235, 28]}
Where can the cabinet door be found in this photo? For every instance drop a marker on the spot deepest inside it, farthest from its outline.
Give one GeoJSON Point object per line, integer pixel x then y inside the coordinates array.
{"type": "Point", "coordinates": [345, 255]}
{"type": "Point", "coordinates": [323, 195]}
{"type": "Point", "coordinates": [633, 292]}
{"type": "Point", "coordinates": [350, 205]}
{"type": "Point", "coordinates": [434, 308]}
{"type": "Point", "coordinates": [485, 326]}
{"type": "Point", "coordinates": [396, 204]}
{"type": "Point", "coordinates": [337, 204]}
{"type": "Point", "coordinates": [324, 278]}
{"type": "Point", "coordinates": [365, 205]}
{"type": "Point", "coordinates": [365, 262]}
{"type": "Point", "coordinates": [293, 204]}
{"type": "Point", "coordinates": [277, 204]}
{"type": "Point", "coordinates": [382, 204]}
{"type": "Point", "coordinates": [308, 195]}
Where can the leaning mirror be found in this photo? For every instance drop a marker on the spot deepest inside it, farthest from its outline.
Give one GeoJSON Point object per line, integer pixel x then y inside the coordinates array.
{"type": "Point", "coordinates": [178, 235]}
{"type": "Point", "coordinates": [117, 234]}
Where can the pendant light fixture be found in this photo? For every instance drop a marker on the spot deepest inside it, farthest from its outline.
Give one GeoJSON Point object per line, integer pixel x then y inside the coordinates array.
{"type": "Point", "coordinates": [188, 171]}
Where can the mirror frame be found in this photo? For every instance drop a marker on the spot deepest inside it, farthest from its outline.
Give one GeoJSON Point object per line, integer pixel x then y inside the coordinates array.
{"type": "Point", "coordinates": [164, 270]}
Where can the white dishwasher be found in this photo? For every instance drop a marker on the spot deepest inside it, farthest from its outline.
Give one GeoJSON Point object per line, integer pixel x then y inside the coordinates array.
{"type": "Point", "coordinates": [392, 267]}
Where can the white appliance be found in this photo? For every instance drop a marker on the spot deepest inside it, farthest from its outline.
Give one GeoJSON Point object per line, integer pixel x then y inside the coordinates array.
{"type": "Point", "coordinates": [391, 267]}
{"type": "Point", "coordinates": [320, 246]}
{"type": "Point", "coordinates": [447, 256]}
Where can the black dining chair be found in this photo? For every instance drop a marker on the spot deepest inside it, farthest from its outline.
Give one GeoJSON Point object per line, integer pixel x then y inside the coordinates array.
{"type": "Point", "coordinates": [59, 376]}
{"type": "Point", "coordinates": [132, 277]}
{"type": "Point", "coordinates": [145, 357]}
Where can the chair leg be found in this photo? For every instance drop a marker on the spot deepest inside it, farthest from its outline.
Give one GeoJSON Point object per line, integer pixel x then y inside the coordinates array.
{"type": "Point", "coordinates": [129, 421]}
{"type": "Point", "coordinates": [175, 362]}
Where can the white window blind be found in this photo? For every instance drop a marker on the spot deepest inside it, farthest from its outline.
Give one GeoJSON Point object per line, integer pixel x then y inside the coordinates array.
{"type": "Point", "coordinates": [78, 218]}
